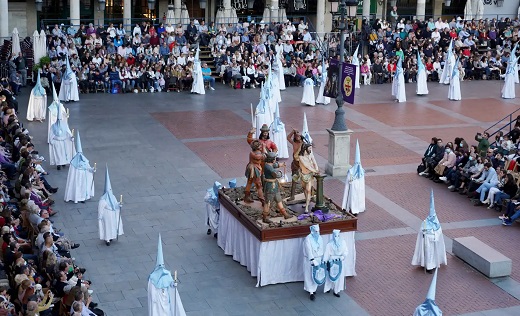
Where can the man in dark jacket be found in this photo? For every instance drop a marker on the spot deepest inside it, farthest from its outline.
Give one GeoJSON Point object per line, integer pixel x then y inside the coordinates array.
{"type": "Point", "coordinates": [436, 154]}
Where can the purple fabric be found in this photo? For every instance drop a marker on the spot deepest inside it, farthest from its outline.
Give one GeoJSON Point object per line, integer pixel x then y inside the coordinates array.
{"type": "Point", "coordinates": [319, 214]}
{"type": "Point", "coordinates": [3, 159]}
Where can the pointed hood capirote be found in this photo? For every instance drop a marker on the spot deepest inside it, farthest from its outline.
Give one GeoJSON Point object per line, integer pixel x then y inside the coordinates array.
{"type": "Point", "coordinates": [429, 307]}
{"type": "Point", "coordinates": [161, 278]}
{"type": "Point", "coordinates": [108, 195]}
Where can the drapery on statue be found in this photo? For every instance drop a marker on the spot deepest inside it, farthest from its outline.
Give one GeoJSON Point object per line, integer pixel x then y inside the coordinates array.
{"type": "Point", "coordinates": [296, 140]}
{"type": "Point", "coordinates": [308, 168]}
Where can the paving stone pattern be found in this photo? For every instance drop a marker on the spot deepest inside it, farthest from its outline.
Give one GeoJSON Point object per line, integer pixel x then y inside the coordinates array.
{"type": "Point", "coordinates": [165, 149]}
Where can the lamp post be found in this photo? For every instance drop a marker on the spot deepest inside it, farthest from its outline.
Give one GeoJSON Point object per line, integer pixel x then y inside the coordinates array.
{"type": "Point", "coordinates": [39, 8]}
{"type": "Point", "coordinates": [151, 7]}
{"type": "Point", "coordinates": [351, 6]}
{"type": "Point", "coordinates": [339, 134]}
{"type": "Point", "coordinates": [101, 5]}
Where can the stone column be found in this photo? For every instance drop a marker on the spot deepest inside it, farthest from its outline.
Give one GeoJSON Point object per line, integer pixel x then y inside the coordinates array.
{"type": "Point", "coordinates": [4, 19]}
{"type": "Point", "coordinates": [127, 15]}
{"type": "Point", "coordinates": [32, 17]}
{"type": "Point", "coordinates": [327, 24]}
{"type": "Point", "coordinates": [421, 9]}
{"type": "Point", "coordinates": [74, 13]}
{"type": "Point", "coordinates": [339, 153]}
{"type": "Point", "coordinates": [437, 8]}
{"type": "Point", "coordinates": [99, 17]}
{"type": "Point", "coordinates": [320, 17]}
{"type": "Point", "coordinates": [366, 8]}
{"type": "Point", "coordinates": [274, 11]}
{"type": "Point", "coordinates": [178, 6]}
{"type": "Point", "coordinates": [163, 10]}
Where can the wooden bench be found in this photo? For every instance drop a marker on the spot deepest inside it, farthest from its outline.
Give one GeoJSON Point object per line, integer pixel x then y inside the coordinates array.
{"type": "Point", "coordinates": [482, 257]}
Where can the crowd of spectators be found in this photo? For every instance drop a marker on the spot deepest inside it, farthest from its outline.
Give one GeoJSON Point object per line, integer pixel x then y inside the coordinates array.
{"type": "Point", "coordinates": [482, 47]}
{"type": "Point", "coordinates": [150, 59]}
{"type": "Point", "coordinates": [486, 172]}
{"type": "Point", "coordinates": [40, 275]}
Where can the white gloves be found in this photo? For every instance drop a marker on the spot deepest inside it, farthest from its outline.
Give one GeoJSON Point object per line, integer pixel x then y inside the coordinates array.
{"type": "Point", "coordinates": [315, 262]}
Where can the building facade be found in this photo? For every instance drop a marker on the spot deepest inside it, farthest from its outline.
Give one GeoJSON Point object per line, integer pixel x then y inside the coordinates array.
{"type": "Point", "coordinates": [24, 15]}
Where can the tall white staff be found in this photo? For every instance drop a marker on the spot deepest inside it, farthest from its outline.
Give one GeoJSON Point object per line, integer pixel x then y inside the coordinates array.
{"type": "Point", "coordinates": [120, 208]}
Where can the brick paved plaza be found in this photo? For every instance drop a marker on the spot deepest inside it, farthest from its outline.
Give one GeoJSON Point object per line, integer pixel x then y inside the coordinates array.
{"type": "Point", "coordinates": [164, 150]}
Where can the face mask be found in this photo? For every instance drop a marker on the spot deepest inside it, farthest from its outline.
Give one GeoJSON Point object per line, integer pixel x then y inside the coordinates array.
{"type": "Point", "coordinates": [460, 145]}
{"type": "Point", "coordinates": [501, 138]}
{"type": "Point", "coordinates": [448, 151]}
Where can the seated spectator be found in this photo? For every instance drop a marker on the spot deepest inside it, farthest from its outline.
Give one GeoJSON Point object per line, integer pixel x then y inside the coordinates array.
{"type": "Point", "coordinates": [206, 73]}
{"type": "Point", "coordinates": [365, 73]}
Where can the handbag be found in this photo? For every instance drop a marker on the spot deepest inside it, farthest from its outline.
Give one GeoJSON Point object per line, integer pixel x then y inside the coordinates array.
{"type": "Point", "coordinates": [439, 169]}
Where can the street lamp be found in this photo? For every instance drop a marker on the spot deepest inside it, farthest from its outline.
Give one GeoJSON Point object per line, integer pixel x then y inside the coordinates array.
{"type": "Point", "coordinates": [101, 5]}
{"type": "Point", "coordinates": [151, 5]}
{"type": "Point", "coordinates": [393, 3]}
{"type": "Point", "coordinates": [447, 3]}
{"type": "Point", "coordinates": [39, 5]}
{"type": "Point", "coordinates": [350, 7]}
{"type": "Point", "coordinates": [500, 3]}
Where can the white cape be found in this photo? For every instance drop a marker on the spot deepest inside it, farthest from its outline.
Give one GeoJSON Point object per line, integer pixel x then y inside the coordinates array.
{"type": "Point", "coordinates": [80, 185]}
{"type": "Point", "coordinates": [198, 80]}
{"type": "Point", "coordinates": [447, 70]}
{"type": "Point", "coordinates": [508, 91]}
{"type": "Point", "coordinates": [398, 89]}
{"type": "Point", "coordinates": [354, 194]}
{"type": "Point", "coordinates": [275, 89]}
{"type": "Point", "coordinates": [321, 99]}
{"type": "Point", "coordinates": [308, 92]}
{"type": "Point", "coordinates": [332, 253]}
{"type": "Point", "coordinates": [454, 91]}
{"type": "Point", "coordinates": [422, 86]}
{"type": "Point", "coordinates": [53, 116]}
{"type": "Point", "coordinates": [517, 79]}
{"type": "Point", "coordinates": [164, 302]}
{"type": "Point", "coordinates": [108, 220]}
{"type": "Point", "coordinates": [430, 250]}
{"type": "Point", "coordinates": [61, 150]}
{"type": "Point", "coordinates": [280, 139]}
{"type": "Point", "coordinates": [37, 108]}
{"type": "Point", "coordinates": [212, 216]}
{"type": "Point", "coordinates": [281, 79]}
{"type": "Point", "coordinates": [69, 90]}
{"type": "Point", "coordinates": [308, 253]}
{"type": "Point", "coordinates": [263, 118]}
{"type": "Point", "coordinates": [358, 77]}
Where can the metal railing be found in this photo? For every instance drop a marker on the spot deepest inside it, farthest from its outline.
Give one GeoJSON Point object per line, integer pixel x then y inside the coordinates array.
{"type": "Point", "coordinates": [508, 125]}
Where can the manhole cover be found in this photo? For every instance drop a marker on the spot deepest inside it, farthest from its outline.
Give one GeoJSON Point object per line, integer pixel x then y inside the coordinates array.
{"type": "Point", "coordinates": [370, 170]}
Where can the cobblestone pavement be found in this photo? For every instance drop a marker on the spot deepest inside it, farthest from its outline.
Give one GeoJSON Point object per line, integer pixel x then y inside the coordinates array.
{"type": "Point", "coordinates": [164, 150]}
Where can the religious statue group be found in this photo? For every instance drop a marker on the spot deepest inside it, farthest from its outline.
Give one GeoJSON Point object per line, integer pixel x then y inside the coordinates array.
{"type": "Point", "coordinates": [263, 171]}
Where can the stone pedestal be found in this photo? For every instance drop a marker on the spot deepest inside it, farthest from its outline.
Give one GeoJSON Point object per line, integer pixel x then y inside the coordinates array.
{"type": "Point", "coordinates": [339, 153]}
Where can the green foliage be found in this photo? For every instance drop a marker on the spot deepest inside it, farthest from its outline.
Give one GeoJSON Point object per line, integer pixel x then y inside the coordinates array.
{"type": "Point", "coordinates": [45, 60]}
